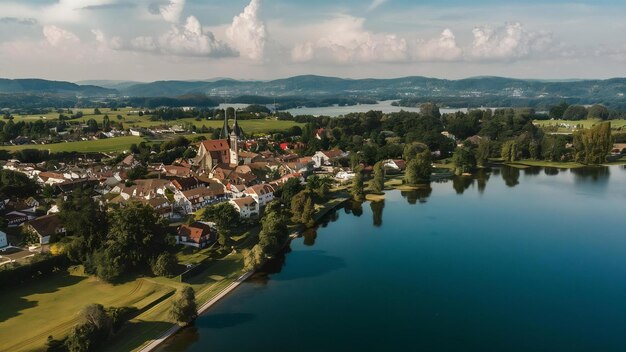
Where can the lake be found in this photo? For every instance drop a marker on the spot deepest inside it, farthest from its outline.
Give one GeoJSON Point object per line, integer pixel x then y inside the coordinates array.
{"type": "Point", "coordinates": [508, 260]}
{"type": "Point", "coordinates": [334, 111]}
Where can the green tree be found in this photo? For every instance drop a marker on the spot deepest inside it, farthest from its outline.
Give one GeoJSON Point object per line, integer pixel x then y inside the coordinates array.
{"type": "Point", "coordinates": [483, 152]}
{"type": "Point", "coordinates": [592, 145]}
{"type": "Point", "coordinates": [575, 112]}
{"type": "Point", "coordinates": [378, 182]}
{"type": "Point", "coordinates": [598, 112]}
{"type": "Point", "coordinates": [137, 236]}
{"type": "Point", "coordinates": [16, 184]}
{"type": "Point", "coordinates": [510, 151]}
{"type": "Point", "coordinates": [556, 112]}
{"type": "Point", "coordinates": [419, 168]}
{"type": "Point", "coordinates": [106, 123]}
{"type": "Point", "coordinates": [165, 264]}
{"type": "Point", "coordinates": [225, 216]}
{"type": "Point", "coordinates": [412, 149]}
{"type": "Point", "coordinates": [358, 189]}
{"type": "Point", "coordinates": [184, 309]}
{"type": "Point", "coordinates": [464, 160]}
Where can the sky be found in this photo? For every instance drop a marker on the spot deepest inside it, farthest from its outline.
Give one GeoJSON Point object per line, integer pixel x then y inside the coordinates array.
{"type": "Point", "coordinates": [148, 40]}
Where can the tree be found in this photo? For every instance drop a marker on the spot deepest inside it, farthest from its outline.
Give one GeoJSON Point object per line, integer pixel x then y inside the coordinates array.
{"type": "Point", "coordinates": [95, 328]}
{"type": "Point", "coordinates": [592, 145]}
{"type": "Point", "coordinates": [96, 111]}
{"type": "Point", "coordinates": [85, 220]}
{"type": "Point", "coordinates": [184, 309]}
{"type": "Point", "coordinates": [137, 236]}
{"type": "Point", "coordinates": [106, 123]}
{"type": "Point", "coordinates": [358, 190]}
{"type": "Point", "coordinates": [556, 112]}
{"type": "Point", "coordinates": [598, 112]}
{"type": "Point", "coordinates": [430, 109]}
{"type": "Point", "coordinates": [419, 169]}
{"type": "Point", "coordinates": [510, 151]}
{"type": "Point", "coordinates": [253, 258]}
{"type": "Point", "coordinates": [412, 149]}
{"type": "Point", "coordinates": [225, 216]}
{"type": "Point", "coordinates": [16, 184]}
{"type": "Point", "coordinates": [165, 264]}
{"type": "Point", "coordinates": [575, 112]}
{"type": "Point", "coordinates": [378, 183]}
{"type": "Point", "coordinates": [464, 160]}
{"type": "Point", "coordinates": [483, 152]}
{"type": "Point", "coordinates": [92, 125]}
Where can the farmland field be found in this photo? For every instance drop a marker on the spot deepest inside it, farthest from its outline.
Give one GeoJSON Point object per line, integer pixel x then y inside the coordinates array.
{"type": "Point", "coordinates": [563, 124]}
{"type": "Point", "coordinates": [117, 144]}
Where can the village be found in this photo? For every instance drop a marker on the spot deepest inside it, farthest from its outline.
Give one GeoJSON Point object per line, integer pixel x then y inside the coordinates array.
{"type": "Point", "coordinates": [222, 170]}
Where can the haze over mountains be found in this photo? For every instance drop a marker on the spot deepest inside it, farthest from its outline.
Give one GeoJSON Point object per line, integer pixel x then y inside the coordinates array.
{"type": "Point", "coordinates": [609, 91]}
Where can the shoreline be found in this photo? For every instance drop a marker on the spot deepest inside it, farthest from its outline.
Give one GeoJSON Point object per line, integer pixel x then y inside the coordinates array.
{"type": "Point", "coordinates": [153, 344]}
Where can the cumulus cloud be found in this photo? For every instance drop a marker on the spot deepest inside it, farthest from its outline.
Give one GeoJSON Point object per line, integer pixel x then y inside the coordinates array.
{"type": "Point", "coordinates": [247, 32]}
{"type": "Point", "coordinates": [444, 48]}
{"type": "Point", "coordinates": [58, 36]}
{"type": "Point", "coordinates": [347, 41]}
{"type": "Point", "coordinates": [172, 11]}
{"type": "Point", "coordinates": [511, 41]}
{"type": "Point", "coordinates": [189, 39]}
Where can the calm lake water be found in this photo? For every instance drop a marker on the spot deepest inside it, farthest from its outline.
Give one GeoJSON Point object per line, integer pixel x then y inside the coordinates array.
{"type": "Point", "coordinates": [334, 111]}
{"type": "Point", "coordinates": [511, 260]}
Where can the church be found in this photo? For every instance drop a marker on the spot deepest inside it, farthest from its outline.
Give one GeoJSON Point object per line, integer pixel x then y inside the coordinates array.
{"type": "Point", "coordinates": [221, 151]}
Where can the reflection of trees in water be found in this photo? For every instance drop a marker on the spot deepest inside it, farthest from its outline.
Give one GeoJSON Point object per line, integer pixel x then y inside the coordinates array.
{"type": "Point", "coordinates": [510, 175]}
{"type": "Point", "coordinates": [482, 176]}
{"type": "Point", "coordinates": [309, 236]}
{"type": "Point", "coordinates": [182, 340]}
{"type": "Point", "coordinates": [596, 174]}
{"type": "Point", "coordinates": [532, 171]}
{"type": "Point", "coordinates": [272, 266]}
{"type": "Point", "coordinates": [331, 216]}
{"type": "Point", "coordinates": [420, 194]}
{"type": "Point", "coordinates": [377, 212]}
{"type": "Point", "coordinates": [551, 171]}
{"type": "Point", "coordinates": [356, 208]}
{"type": "Point", "coordinates": [461, 183]}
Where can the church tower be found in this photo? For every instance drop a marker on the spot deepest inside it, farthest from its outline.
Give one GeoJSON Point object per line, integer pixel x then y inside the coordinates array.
{"type": "Point", "coordinates": [225, 132]}
{"type": "Point", "coordinates": [234, 142]}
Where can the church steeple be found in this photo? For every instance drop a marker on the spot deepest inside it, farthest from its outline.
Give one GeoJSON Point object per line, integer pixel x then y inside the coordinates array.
{"type": "Point", "coordinates": [225, 132]}
{"type": "Point", "coordinates": [236, 130]}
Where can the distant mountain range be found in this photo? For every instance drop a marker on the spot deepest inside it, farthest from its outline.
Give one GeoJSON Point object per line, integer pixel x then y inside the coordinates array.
{"type": "Point", "coordinates": [590, 91]}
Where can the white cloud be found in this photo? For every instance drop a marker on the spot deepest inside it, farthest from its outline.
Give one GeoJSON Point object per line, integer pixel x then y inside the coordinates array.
{"type": "Point", "coordinates": [375, 4]}
{"type": "Point", "coordinates": [189, 39]}
{"type": "Point", "coordinates": [172, 11]}
{"type": "Point", "coordinates": [247, 32]}
{"type": "Point", "coordinates": [444, 48]}
{"type": "Point", "coordinates": [345, 40]}
{"type": "Point", "coordinates": [58, 36]}
{"type": "Point", "coordinates": [506, 43]}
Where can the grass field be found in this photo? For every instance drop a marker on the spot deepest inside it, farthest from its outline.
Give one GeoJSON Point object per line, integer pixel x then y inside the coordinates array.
{"type": "Point", "coordinates": [117, 144]}
{"type": "Point", "coordinates": [31, 313]}
{"type": "Point", "coordinates": [615, 124]}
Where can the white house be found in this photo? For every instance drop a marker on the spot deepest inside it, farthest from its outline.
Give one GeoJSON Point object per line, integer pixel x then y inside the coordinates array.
{"type": "Point", "coordinates": [326, 157]}
{"type": "Point", "coordinates": [3, 240]}
{"type": "Point", "coordinates": [191, 200]}
{"type": "Point", "coordinates": [344, 175]}
{"type": "Point", "coordinates": [262, 193]}
{"type": "Point", "coordinates": [246, 206]}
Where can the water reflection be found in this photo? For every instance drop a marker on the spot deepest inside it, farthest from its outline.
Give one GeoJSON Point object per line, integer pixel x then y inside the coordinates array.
{"type": "Point", "coordinates": [182, 341]}
{"type": "Point", "coordinates": [551, 171]}
{"type": "Point", "coordinates": [598, 174]}
{"type": "Point", "coordinates": [461, 183]}
{"type": "Point", "coordinates": [482, 177]}
{"type": "Point", "coordinates": [356, 208]}
{"type": "Point", "coordinates": [532, 171]}
{"type": "Point", "coordinates": [309, 236]}
{"type": "Point", "coordinates": [377, 212]}
{"type": "Point", "coordinates": [510, 175]}
{"type": "Point", "coordinates": [419, 194]}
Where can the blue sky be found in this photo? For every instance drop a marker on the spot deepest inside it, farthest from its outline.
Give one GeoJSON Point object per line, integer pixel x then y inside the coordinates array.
{"type": "Point", "coordinates": [264, 39]}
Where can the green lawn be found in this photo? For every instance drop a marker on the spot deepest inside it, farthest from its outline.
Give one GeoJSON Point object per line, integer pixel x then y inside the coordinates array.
{"type": "Point", "coordinates": [116, 144]}
{"type": "Point", "coordinates": [615, 124]}
{"type": "Point", "coordinates": [31, 313]}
